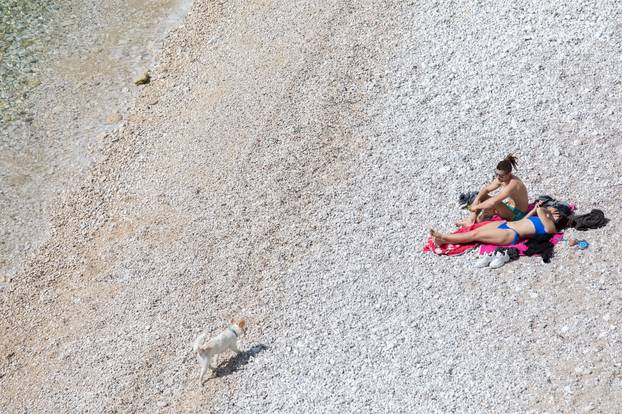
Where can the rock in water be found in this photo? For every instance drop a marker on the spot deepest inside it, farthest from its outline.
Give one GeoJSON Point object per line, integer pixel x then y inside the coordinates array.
{"type": "Point", "coordinates": [143, 80]}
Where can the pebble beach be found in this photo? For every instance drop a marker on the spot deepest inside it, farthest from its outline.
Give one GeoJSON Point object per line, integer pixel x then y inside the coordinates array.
{"type": "Point", "coordinates": [284, 165]}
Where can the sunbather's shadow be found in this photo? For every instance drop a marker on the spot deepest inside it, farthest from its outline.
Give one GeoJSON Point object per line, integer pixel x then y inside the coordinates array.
{"type": "Point", "coordinates": [238, 361]}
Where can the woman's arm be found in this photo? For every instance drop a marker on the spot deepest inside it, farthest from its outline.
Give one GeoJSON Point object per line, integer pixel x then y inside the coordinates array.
{"type": "Point", "coordinates": [547, 220]}
{"type": "Point", "coordinates": [502, 195]}
{"type": "Point", "coordinates": [484, 191]}
{"type": "Point", "coordinates": [534, 209]}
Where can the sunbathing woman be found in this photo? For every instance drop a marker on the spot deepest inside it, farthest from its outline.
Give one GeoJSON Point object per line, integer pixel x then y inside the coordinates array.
{"type": "Point", "coordinates": [548, 221]}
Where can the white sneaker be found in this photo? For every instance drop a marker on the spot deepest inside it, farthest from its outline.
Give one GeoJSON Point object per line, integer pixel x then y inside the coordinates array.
{"type": "Point", "coordinates": [484, 260]}
{"type": "Point", "coordinates": [499, 260]}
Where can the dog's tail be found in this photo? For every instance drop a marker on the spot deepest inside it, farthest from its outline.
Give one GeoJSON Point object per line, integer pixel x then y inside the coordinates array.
{"type": "Point", "coordinates": [197, 342]}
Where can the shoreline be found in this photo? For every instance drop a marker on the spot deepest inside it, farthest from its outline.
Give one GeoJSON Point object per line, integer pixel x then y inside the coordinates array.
{"type": "Point", "coordinates": [84, 73]}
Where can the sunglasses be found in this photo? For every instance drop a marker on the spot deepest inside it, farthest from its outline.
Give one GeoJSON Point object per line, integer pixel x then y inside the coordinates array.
{"type": "Point", "coordinates": [500, 175]}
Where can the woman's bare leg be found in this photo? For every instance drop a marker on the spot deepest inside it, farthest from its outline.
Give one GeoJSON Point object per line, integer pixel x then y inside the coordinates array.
{"type": "Point", "coordinates": [488, 233]}
{"type": "Point", "coordinates": [467, 237]}
{"type": "Point", "coordinates": [438, 238]}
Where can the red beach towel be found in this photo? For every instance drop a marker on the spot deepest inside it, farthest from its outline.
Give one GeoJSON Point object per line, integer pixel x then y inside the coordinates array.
{"type": "Point", "coordinates": [453, 249]}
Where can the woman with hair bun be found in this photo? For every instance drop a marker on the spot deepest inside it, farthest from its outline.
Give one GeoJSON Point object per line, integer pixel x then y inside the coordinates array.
{"type": "Point", "coordinates": [510, 203]}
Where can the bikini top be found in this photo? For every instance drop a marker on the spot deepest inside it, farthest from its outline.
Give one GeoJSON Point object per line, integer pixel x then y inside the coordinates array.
{"type": "Point", "coordinates": [537, 224]}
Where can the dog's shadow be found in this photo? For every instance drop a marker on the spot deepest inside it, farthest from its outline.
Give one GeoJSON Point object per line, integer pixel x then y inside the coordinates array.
{"type": "Point", "coordinates": [238, 361]}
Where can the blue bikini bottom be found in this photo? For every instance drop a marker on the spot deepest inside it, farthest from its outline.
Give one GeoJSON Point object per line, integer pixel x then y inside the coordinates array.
{"type": "Point", "coordinates": [505, 226]}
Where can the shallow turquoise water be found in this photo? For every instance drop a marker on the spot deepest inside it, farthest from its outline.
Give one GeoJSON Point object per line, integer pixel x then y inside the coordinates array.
{"type": "Point", "coordinates": [27, 31]}
{"type": "Point", "coordinates": [66, 76]}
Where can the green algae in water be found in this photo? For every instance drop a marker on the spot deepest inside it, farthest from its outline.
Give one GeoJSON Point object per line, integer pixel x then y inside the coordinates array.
{"type": "Point", "coordinates": [25, 35]}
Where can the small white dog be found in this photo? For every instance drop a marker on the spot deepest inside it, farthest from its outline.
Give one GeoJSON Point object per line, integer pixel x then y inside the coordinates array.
{"type": "Point", "coordinates": [228, 339]}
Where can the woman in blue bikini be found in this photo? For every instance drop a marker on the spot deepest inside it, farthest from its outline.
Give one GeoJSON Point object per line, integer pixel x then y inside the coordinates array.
{"type": "Point", "coordinates": [548, 221]}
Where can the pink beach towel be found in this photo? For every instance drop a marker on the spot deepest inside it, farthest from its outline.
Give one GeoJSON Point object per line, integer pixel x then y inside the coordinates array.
{"type": "Point", "coordinates": [521, 246]}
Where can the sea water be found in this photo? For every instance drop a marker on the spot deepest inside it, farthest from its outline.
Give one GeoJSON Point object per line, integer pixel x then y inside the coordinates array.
{"type": "Point", "coordinates": [66, 75]}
